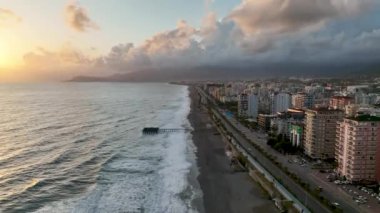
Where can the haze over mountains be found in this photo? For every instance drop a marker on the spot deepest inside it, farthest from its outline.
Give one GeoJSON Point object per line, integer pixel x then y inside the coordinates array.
{"type": "Point", "coordinates": [241, 73]}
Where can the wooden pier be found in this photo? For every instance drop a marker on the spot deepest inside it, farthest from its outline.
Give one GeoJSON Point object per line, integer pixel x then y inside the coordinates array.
{"type": "Point", "coordinates": [157, 130]}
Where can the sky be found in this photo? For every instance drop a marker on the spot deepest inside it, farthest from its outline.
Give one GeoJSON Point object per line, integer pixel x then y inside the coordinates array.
{"type": "Point", "coordinates": [60, 39]}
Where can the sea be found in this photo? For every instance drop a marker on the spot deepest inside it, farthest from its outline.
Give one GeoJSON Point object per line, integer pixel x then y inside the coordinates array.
{"type": "Point", "coordinates": [79, 147]}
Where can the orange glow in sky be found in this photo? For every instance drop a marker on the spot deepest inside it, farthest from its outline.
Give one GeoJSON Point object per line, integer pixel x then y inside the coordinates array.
{"type": "Point", "coordinates": [68, 38]}
{"type": "Point", "coordinates": [4, 60]}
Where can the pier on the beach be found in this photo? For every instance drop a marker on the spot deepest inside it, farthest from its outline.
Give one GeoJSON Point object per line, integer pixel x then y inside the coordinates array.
{"type": "Point", "coordinates": [157, 130]}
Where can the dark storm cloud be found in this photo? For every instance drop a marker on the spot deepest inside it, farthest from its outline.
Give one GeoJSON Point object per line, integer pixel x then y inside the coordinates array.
{"type": "Point", "coordinates": [258, 33]}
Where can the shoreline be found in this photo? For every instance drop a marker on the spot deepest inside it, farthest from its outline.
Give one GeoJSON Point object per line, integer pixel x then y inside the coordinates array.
{"type": "Point", "coordinates": [223, 189]}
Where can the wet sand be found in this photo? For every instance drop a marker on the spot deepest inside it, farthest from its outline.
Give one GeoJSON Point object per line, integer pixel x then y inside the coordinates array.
{"type": "Point", "coordinates": [223, 189]}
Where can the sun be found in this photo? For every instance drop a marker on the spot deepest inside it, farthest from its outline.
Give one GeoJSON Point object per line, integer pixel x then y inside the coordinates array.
{"type": "Point", "coordinates": [5, 56]}
{"type": "Point", "coordinates": [3, 51]}
{"type": "Point", "coordinates": [2, 54]}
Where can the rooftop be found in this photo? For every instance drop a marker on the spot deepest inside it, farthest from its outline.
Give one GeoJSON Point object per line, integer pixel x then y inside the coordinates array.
{"type": "Point", "coordinates": [342, 97]}
{"type": "Point", "coordinates": [296, 110]}
{"type": "Point", "coordinates": [323, 109]}
{"type": "Point", "coordinates": [267, 115]}
{"type": "Point", "coordinates": [365, 118]}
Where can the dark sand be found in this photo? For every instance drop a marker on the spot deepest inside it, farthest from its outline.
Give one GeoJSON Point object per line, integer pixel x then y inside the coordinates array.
{"type": "Point", "coordinates": [223, 189]}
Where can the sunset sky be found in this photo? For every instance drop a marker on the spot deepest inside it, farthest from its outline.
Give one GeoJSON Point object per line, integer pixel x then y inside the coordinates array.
{"type": "Point", "coordinates": [45, 39]}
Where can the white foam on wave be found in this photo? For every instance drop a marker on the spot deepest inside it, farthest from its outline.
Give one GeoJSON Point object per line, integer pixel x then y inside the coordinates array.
{"type": "Point", "coordinates": [176, 193]}
{"type": "Point", "coordinates": [127, 185]}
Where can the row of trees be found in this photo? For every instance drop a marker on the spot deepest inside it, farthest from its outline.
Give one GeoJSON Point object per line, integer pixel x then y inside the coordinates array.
{"type": "Point", "coordinates": [282, 144]}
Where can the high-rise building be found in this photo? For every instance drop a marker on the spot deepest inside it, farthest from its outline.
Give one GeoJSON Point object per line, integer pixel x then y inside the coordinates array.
{"type": "Point", "coordinates": [298, 100]}
{"type": "Point", "coordinates": [302, 101]}
{"type": "Point", "coordinates": [340, 102]}
{"type": "Point", "coordinates": [243, 105]}
{"type": "Point", "coordinates": [320, 132]}
{"type": "Point", "coordinates": [309, 101]}
{"type": "Point", "coordinates": [264, 121]}
{"type": "Point", "coordinates": [253, 106]}
{"type": "Point", "coordinates": [358, 148]}
{"type": "Point", "coordinates": [248, 105]}
{"type": "Point", "coordinates": [264, 101]}
{"type": "Point", "coordinates": [281, 102]}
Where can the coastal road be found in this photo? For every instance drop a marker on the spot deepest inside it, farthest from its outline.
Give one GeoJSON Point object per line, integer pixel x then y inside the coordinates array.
{"type": "Point", "coordinates": [289, 183]}
{"type": "Point", "coordinates": [330, 191]}
{"type": "Point", "coordinates": [306, 173]}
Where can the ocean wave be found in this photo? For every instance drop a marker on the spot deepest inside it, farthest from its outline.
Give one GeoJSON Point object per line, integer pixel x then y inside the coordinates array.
{"type": "Point", "coordinates": [86, 153]}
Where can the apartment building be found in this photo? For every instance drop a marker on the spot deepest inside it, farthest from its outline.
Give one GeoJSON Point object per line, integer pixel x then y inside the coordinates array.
{"type": "Point", "coordinates": [340, 102]}
{"type": "Point", "coordinates": [320, 132]}
{"type": "Point", "coordinates": [248, 105]}
{"type": "Point", "coordinates": [281, 102]}
{"type": "Point", "coordinates": [253, 106]}
{"type": "Point", "coordinates": [302, 101]}
{"type": "Point", "coordinates": [264, 121]}
{"type": "Point", "coordinates": [243, 105]}
{"type": "Point", "coordinates": [358, 148]}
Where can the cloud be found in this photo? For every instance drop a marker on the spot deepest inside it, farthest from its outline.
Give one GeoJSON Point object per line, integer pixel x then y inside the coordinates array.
{"type": "Point", "coordinates": [78, 19]}
{"type": "Point", "coordinates": [169, 41]}
{"type": "Point", "coordinates": [8, 18]}
{"type": "Point", "coordinates": [257, 35]}
{"type": "Point", "coordinates": [66, 56]}
{"type": "Point", "coordinates": [60, 64]}
{"type": "Point", "coordinates": [281, 16]}
{"type": "Point", "coordinates": [165, 49]}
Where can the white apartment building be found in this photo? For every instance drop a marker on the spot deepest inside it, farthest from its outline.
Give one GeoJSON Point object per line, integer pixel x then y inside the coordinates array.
{"type": "Point", "coordinates": [253, 106]}
{"type": "Point", "coordinates": [281, 102]}
{"type": "Point", "coordinates": [248, 105]}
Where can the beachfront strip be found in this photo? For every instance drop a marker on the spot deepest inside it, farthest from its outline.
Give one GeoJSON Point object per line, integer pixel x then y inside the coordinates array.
{"type": "Point", "coordinates": [325, 135]}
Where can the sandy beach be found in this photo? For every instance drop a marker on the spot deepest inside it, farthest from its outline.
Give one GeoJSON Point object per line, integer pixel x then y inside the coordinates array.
{"type": "Point", "coordinates": [223, 189]}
